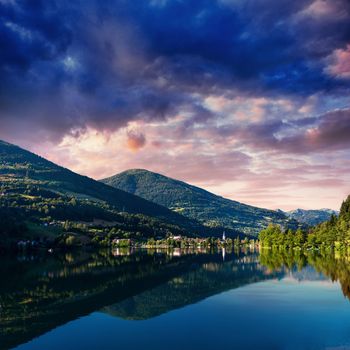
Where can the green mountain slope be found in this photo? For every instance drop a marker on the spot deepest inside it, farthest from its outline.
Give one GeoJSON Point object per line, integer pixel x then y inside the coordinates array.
{"type": "Point", "coordinates": [196, 203]}
{"type": "Point", "coordinates": [311, 217]}
{"type": "Point", "coordinates": [39, 191]}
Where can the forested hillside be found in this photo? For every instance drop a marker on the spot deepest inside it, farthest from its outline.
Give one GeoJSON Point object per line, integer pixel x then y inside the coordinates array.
{"type": "Point", "coordinates": [39, 198]}
{"type": "Point", "coordinates": [196, 203]}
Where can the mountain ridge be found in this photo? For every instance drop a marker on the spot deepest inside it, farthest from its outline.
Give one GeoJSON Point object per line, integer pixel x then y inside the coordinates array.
{"type": "Point", "coordinates": [311, 217]}
{"type": "Point", "coordinates": [33, 187]}
{"type": "Point", "coordinates": [196, 203]}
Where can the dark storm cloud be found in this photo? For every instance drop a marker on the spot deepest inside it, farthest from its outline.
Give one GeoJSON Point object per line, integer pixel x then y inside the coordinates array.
{"type": "Point", "coordinates": [31, 31]}
{"type": "Point", "coordinates": [66, 66]}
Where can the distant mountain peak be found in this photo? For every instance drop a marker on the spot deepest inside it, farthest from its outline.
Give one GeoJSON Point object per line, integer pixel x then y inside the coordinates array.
{"type": "Point", "coordinates": [311, 216]}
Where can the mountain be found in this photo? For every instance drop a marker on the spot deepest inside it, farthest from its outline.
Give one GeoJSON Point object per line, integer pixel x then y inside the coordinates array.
{"type": "Point", "coordinates": [196, 203]}
{"type": "Point", "coordinates": [311, 217]}
{"type": "Point", "coordinates": [36, 191]}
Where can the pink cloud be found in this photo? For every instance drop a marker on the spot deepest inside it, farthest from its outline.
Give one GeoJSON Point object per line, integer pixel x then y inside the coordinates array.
{"type": "Point", "coordinates": [245, 162]}
{"type": "Point", "coordinates": [135, 140]}
{"type": "Point", "coordinates": [333, 9]}
{"type": "Point", "coordinates": [340, 63]}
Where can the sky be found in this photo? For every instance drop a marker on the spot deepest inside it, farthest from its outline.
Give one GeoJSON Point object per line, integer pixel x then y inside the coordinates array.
{"type": "Point", "coordinates": [248, 99]}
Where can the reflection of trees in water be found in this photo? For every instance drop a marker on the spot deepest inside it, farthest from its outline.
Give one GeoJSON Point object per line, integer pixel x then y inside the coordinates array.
{"type": "Point", "coordinates": [279, 259]}
{"type": "Point", "coordinates": [208, 279]}
{"type": "Point", "coordinates": [335, 267]}
{"type": "Point", "coordinates": [42, 292]}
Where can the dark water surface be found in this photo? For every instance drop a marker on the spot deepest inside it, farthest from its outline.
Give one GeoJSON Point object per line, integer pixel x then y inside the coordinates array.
{"type": "Point", "coordinates": [175, 300]}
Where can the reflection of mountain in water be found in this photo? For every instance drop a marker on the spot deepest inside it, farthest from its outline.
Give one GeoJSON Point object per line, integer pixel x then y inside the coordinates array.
{"type": "Point", "coordinates": [42, 293]}
{"type": "Point", "coordinates": [208, 279]}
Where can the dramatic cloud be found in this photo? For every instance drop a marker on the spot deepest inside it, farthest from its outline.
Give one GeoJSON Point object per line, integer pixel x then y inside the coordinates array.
{"type": "Point", "coordinates": [103, 65]}
{"type": "Point", "coordinates": [220, 89]}
{"type": "Point", "coordinates": [326, 133]}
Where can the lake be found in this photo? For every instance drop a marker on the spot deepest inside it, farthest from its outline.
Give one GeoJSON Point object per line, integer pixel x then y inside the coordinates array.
{"type": "Point", "coordinates": [175, 300]}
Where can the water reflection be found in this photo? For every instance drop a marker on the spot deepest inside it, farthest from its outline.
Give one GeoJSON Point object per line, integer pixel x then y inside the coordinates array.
{"type": "Point", "coordinates": [41, 292]}
{"type": "Point", "coordinates": [332, 265]}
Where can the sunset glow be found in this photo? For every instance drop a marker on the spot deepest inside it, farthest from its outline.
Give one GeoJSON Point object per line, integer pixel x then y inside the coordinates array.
{"type": "Point", "coordinates": [247, 99]}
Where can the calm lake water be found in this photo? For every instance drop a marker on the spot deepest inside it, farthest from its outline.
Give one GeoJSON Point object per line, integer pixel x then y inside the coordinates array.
{"type": "Point", "coordinates": [174, 300]}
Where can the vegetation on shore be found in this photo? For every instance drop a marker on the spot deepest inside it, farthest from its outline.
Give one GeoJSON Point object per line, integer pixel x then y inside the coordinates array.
{"type": "Point", "coordinates": [332, 234]}
{"type": "Point", "coordinates": [188, 242]}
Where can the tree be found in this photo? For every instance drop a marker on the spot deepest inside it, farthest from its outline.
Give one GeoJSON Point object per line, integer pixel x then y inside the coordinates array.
{"type": "Point", "coordinates": [271, 236]}
{"type": "Point", "coordinates": [311, 240]}
{"type": "Point", "coordinates": [299, 238]}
